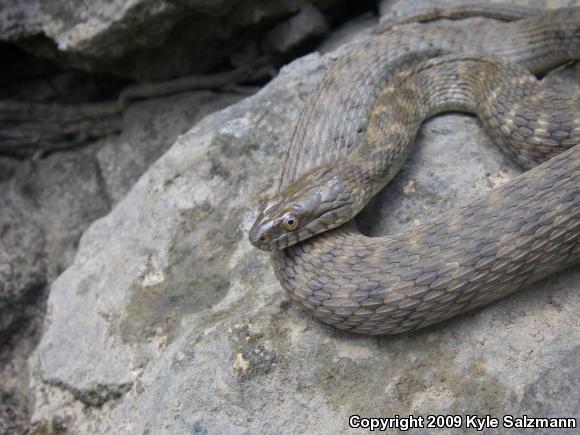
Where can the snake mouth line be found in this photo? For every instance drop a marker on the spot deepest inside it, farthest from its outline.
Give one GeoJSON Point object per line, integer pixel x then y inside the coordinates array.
{"type": "Point", "coordinates": [333, 215]}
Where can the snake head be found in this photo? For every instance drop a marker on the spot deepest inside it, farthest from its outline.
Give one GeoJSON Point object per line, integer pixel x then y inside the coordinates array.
{"type": "Point", "coordinates": [315, 203]}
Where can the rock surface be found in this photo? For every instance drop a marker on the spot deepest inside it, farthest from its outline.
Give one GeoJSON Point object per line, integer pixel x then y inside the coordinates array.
{"type": "Point", "coordinates": [168, 321]}
{"type": "Point", "coordinates": [43, 216]}
{"type": "Point", "coordinates": [48, 203]}
{"type": "Point", "coordinates": [307, 25]}
{"type": "Point", "coordinates": [150, 128]}
{"type": "Point", "coordinates": [45, 213]}
{"type": "Point", "coordinates": [143, 39]}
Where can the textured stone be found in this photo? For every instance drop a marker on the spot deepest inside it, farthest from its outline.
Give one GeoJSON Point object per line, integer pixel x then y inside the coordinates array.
{"type": "Point", "coordinates": [305, 27]}
{"type": "Point", "coordinates": [44, 213]}
{"type": "Point", "coordinates": [22, 262]}
{"type": "Point", "coordinates": [46, 205]}
{"type": "Point", "coordinates": [352, 31]}
{"type": "Point", "coordinates": [150, 128]}
{"type": "Point", "coordinates": [143, 39]}
{"type": "Point", "coordinates": [43, 216]}
{"type": "Point", "coordinates": [168, 321]}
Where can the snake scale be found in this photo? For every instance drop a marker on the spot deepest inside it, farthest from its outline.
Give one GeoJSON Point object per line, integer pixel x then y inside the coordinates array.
{"type": "Point", "coordinates": [356, 131]}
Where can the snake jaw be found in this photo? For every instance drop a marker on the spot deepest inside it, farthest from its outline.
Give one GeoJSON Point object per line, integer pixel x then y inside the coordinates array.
{"type": "Point", "coordinates": [319, 201]}
{"type": "Point", "coordinates": [258, 233]}
{"type": "Point", "coordinates": [268, 233]}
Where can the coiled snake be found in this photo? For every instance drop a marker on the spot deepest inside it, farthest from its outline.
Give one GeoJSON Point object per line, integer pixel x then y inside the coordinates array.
{"type": "Point", "coordinates": [355, 133]}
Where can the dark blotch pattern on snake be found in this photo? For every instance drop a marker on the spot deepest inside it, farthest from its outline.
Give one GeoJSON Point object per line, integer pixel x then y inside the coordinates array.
{"type": "Point", "coordinates": [355, 133]}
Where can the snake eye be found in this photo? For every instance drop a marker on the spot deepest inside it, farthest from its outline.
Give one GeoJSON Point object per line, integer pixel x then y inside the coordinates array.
{"type": "Point", "coordinates": [290, 222]}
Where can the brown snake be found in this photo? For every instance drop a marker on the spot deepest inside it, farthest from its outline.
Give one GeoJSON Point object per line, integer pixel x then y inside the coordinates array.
{"type": "Point", "coordinates": [354, 135]}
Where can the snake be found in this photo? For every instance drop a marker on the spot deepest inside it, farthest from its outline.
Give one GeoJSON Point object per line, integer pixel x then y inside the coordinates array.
{"type": "Point", "coordinates": [354, 134]}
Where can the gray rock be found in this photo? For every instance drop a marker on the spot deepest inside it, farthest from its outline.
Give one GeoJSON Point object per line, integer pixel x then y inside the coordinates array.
{"type": "Point", "coordinates": [150, 128]}
{"type": "Point", "coordinates": [14, 415]}
{"type": "Point", "coordinates": [44, 212]}
{"type": "Point", "coordinates": [20, 19]}
{"type": "Point", "coordinates": [305, 27]}
{"type": "Point", "coordinates": [142, 39]}
{"type": "Point", "coordinates": [48, 203]}
{"type": "Point", "coordinates": [168, 321]}
{"type": "Point", "coordinates": [65, 209]}
{"type": "Point", "coordinates": [22, 261]}
{"type": "Point", "coordinates": [8, 167]}
{"type": "Point", "coordinates": [44, 215]}
{"type": "Point", "coordinates": [351, 31]}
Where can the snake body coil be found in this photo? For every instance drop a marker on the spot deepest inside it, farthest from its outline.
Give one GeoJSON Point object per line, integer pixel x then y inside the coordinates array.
{"type": "Point", "coordinates": [354, 135]}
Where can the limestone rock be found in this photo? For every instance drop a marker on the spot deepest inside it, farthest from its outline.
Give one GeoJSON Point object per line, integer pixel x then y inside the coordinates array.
{"type": "Point", "coordinates": [43, 216]}
{"type": "Point", "coordinates": [22, 263]}
{"type": "Point", "coordinates": [150, 128]}
{"type": "Point", "coordinates": [306, 26]}
{"type": "Point", "coordinates": [142, 39]}
{"type": "Point", "coordinates": [45, 213]}
{"type": "Point", "coordinates": [47, 204]}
